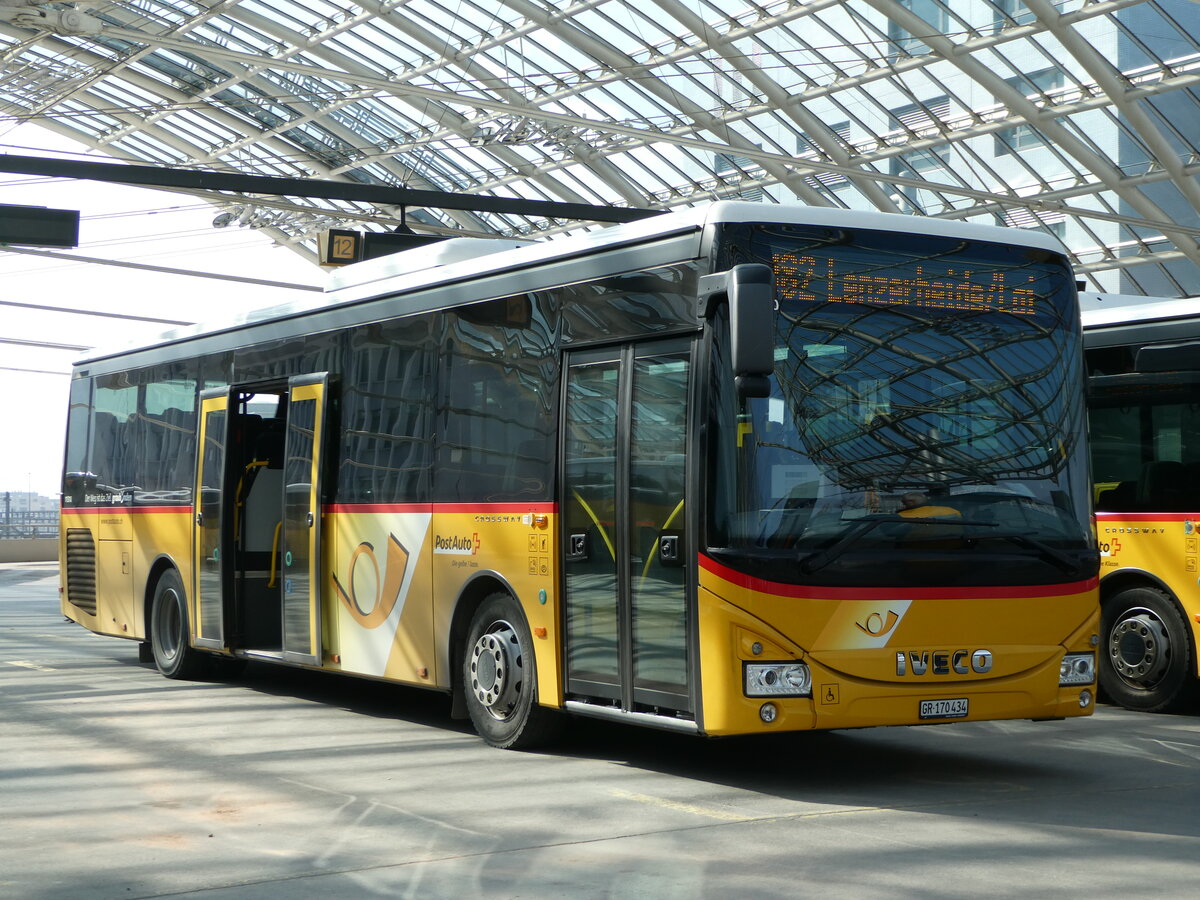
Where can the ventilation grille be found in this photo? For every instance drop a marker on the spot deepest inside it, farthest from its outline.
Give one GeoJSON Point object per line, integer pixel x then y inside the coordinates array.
{"type": "Point", "coordinates": [81, 569]}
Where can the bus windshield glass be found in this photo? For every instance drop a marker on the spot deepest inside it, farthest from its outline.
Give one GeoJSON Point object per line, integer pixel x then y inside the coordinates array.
{"type": "Point", "coordinates": [925, 423]}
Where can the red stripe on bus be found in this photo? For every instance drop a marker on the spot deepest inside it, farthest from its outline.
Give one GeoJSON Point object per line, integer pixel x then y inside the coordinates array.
{"type": "Point", "coordinates": [1147, 516]}
{"type": "Point", "coordinates": [109, 510]}
{"type": "Point", "coordinates": [977, 592]}
{"type": "Point", "coordinates": [490, 508]}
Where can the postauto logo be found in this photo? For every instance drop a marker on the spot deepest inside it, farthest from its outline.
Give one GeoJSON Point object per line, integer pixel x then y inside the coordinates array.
{"type": "Point", "coordinates": [456, 544]}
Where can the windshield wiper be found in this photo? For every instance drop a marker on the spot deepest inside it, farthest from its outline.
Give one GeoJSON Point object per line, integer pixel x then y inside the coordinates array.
{"type": "Point", "coordinates": [822, 558]}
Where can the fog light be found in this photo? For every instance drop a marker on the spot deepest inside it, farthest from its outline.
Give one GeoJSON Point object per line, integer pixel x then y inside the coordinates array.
{"type": "Point", "coordinates": [1077, 668]}
{"type": "Point", "coordinates": [768, 713]}
{"type": "Point", "coordinates": [779, 679]}
{"type": "Point", "coordinates": [1085, 699]}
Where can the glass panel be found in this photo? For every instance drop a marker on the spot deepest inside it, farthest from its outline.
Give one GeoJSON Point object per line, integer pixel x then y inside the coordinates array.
{"type": "Point", "coordinates": [208, 535]}
{"type": "Point", "coordinates": [1024, 137]}
{"type": "Point", "coordinates": [924, 413]}
{"type": "Point", "coordinates": [494, 429]}
{"type": "Point", "coordinates": [113, 447]}
{"type": "Point", "coordinates": [638, 303]}
{"type": "Point", "coordinates": [388, 396]}
{"type": "Point", "coordinates": [932, 12]}
{"type": "Point", "coordinates": [166, 445]}
{"type": "Point", "coordinates": [300, 516]}
{"type": "Point", "coordinates": [1145, 440]}
{"type": "Point", "coordinates": [590, 518]}
{"type": "Point", "coordinates": [77, 482]}
{"type": "Point", "coordinates": [656, 491]}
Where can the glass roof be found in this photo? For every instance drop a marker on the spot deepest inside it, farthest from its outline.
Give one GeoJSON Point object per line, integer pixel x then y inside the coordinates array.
{"type": "Point", "coordinates": [1078, 118]}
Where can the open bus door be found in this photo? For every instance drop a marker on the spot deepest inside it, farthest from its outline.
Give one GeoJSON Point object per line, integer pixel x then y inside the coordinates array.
{"type": "Point", "coordinates": [257, 540]}
{"type": "Point", "coordinates": [210, 543]}
{"type": "Point", "coordinates": [626, 592]}
{"type": "Point", "coordinates": [301, 546]}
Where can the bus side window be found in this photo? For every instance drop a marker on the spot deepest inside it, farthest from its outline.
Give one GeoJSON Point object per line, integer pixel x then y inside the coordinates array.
{"type": "Point", "coordinates": [1161, 486]}
{"type": "Point", "coordinates": [1191, 484]}
{"type": "Point", "coordinates": [1122, 498]}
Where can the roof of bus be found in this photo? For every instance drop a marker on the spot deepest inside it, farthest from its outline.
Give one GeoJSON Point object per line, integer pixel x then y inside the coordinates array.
{"type": "Point", "coordinates": [1099, 310]}
{"type": "Point", "coordinates": [352, 282]}
{"type": "Point", "coordinates": [464, 257]}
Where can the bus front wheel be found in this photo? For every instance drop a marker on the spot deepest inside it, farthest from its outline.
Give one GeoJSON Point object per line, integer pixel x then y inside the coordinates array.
{"type": "Point", "coordinates": [169, 633]}
{"type": "Point", "coordinates": [1147, 660]}
{"type": "Point", "coordinates": [500, 677]}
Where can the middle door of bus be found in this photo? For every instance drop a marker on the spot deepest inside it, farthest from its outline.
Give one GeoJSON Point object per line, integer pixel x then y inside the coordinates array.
{"type": "Point", "coordinates": [624, 478]}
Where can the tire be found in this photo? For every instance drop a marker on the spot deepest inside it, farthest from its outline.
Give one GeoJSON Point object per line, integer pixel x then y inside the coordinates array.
{"type": "Point", "coordinates": [500, 678]}
{"type": "Point", "coordinates": [1147, 661]}
{"type": "Point", "coordinates": [169, 632]}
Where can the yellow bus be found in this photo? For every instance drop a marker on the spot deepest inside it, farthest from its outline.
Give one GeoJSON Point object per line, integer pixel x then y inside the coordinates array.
{"type": "Point", "coordinates": [1143, 360]}
{"type": "Point", "coordinates": [741, 469]}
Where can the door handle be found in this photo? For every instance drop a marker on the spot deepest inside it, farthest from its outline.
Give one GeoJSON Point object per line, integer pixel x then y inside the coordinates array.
{"type": "Point", "coordinates": [670, 549]}
{"type": "Point", "coordinates": [309, 519]}
{"type": "Point", "coordinates": [577, 547]}
{"type": "Point", "coordinates": [199, 520]}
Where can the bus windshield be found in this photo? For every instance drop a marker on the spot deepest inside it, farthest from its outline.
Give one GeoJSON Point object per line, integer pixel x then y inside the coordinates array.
{"type": "Point", "coordinates": [925, 421]}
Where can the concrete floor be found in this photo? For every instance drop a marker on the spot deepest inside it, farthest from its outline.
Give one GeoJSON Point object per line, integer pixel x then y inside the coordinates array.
{"type": "Point", "coordinates": [118, 783]}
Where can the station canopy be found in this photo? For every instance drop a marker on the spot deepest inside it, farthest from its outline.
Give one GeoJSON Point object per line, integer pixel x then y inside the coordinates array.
{"type": "Point", "coordinates": [1078, 118]}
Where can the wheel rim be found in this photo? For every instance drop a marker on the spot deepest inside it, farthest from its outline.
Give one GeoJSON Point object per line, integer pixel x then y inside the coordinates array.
{"type": "Point", "coordinates": [167, 632]}
{"type": "Point", "coordinates": [496, 669]}
{"type": "Point", "coordinates": [1139, 648]}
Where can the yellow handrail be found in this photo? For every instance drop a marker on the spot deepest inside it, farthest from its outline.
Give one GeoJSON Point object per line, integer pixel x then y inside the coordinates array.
{"type": "Point", "coordinates": [274, 552]}
{"type": "Point", "coordinates": [238, 500]}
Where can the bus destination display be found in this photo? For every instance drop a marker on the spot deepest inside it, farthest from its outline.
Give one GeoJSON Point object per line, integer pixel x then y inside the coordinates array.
{"type": "Point", "coordinates": [812, 279]}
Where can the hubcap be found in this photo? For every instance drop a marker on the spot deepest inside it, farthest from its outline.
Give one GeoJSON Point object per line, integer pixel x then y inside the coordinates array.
{"type": "Point", "coordinates": [496, 671]}
{"type": "Point", "coordinates": [1139, 647]}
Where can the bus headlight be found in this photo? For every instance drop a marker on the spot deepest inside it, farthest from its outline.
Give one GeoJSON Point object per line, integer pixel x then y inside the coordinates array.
{"type": "Point", "coordinates": [786, 679]}
{"type": "Point", "coordinates": [1077, 668]}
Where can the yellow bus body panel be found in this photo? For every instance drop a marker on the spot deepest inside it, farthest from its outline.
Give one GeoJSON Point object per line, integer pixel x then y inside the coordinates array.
{"type": "Point", "coordinates": [1165, 545]}
{"type": "Point", "coordinates": [128, 541]}
{"type": "Point", "coordinates": [396, 576]}
{"type": "Point", "coordinates": [392, 580]}
{"type": "Point", "coordinates": [851, 646]}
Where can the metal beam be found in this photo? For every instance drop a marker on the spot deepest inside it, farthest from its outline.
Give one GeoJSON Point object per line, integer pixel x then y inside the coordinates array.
{"type": "Point", "coordinates": [92, 312]}
{"type": "Point", "coordinates": [45, 345]}
{"type": "Point", "coordinates": [198, 179]}
{"type": "Point", "coordinates": [168, 270]}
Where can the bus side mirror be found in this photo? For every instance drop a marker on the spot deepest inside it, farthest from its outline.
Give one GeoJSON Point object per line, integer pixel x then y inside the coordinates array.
{"type": "Point", "coordinates": [750, 290]}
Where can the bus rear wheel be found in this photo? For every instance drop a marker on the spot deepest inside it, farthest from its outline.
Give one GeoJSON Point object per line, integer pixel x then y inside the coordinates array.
{"type": "Point", "coordinates": [1147, 660]}
{"type": "Point", "coordinates": [169, 632]}
{"type": "Point", "coordinates": [500, 677]}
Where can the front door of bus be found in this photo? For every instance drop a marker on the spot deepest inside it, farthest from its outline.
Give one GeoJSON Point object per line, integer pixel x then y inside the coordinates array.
{"type": "Point", "coordinates": [301, 545]}
{"type": "Point", "coordinates": [276, 581]}
{"type": "Point", "coordinates": [624, 478]}
{"type": "Point", "coordinates": [212, 543]}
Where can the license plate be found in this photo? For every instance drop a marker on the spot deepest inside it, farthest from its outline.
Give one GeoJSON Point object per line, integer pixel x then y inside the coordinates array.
{"type": "Point", "coordinates": [944, 709]}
